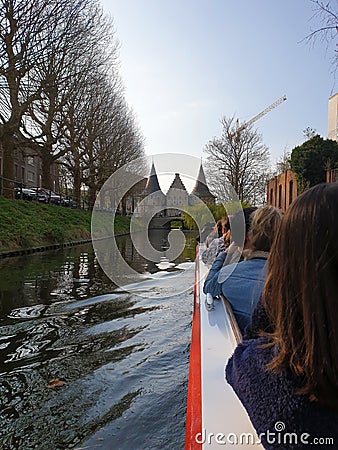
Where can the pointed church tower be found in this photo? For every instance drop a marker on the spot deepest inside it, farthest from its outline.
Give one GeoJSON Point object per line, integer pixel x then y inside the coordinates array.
{"type": "Point", "coordinates": [154, 200]}
{"type": "Point", "coordinates": [201, 189]}
{"type": "Point", "coordinates": [152, 183]}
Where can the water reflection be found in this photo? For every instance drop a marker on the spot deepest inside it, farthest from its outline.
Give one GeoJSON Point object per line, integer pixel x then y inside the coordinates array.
{"type": "Point", "coordinates": [63, 319]}
{"type": "Point", "coordinates": [49, 277]}
{"type": "Point", "coordinates": [71, 274]}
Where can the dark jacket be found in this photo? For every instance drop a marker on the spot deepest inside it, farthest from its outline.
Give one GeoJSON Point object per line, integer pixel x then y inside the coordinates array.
{"type": "Point", "coordinates": [272, 402]}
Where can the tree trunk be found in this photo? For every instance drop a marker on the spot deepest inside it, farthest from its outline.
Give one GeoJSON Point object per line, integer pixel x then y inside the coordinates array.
{"type": "Point", "coordinates": [91, 195]}
{"type": "Point", "coordinates": [8, 149]}
{"type": "Point", "coordinates": [46, 162]}
{"type": "Point", "coordinates": [124, 206]}
{"type": "Point", "coordinates": [77, 183]}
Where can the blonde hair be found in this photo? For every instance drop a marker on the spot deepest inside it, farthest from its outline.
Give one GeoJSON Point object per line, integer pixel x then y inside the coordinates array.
{"type": "Point", "coordinates": [264, 227]}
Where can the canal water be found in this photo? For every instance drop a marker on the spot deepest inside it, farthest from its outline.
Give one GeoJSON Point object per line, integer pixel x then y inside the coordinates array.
{"type": "Point", "coordinates": [86, 365]}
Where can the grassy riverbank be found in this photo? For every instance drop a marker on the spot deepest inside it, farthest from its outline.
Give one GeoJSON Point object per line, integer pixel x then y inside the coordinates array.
{"type": "Point", "coordinates": [27, 224]}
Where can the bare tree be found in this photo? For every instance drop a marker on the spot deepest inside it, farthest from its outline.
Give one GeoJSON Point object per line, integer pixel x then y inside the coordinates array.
{"type": "Point", "coordinates": [73, 137]}
{"type": "Point", "coordinates": [283, 162]}
{"type": "Point", "coordinates": [60, 91]}
{"type": "Point", "coordinates": [24, 41]}
{"type": "Point", "coordinates": [102, 135]}
{"type": "Point", "coordinates": [80, 47]}
{"type": "Point", "coordinates": [309, 133]}
{"type": "Point", "coordinates": [77, 113]}
{"type": "Point", "coordinates": [112, 138]}
{"type": "Point", "coordinates": [237, 161]}
{"type": "Point", "coordinates": [326, 13]}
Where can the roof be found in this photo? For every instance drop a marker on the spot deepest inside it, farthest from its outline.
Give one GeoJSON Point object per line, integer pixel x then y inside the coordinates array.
{"type": "Point", "coordinates": [177, 183]}
{"type": "Point", "coordinates": [201, 189]}
{"type": "Point", "coordinates": [152, 183]}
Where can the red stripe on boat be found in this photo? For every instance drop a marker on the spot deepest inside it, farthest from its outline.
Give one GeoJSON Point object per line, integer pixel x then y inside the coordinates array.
{"type": "Point", "coordinates": [194, 402]}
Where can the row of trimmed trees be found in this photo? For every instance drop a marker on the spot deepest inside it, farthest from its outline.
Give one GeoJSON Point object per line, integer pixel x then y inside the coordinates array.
{"type": "Point", "coordinates": [60, 92]}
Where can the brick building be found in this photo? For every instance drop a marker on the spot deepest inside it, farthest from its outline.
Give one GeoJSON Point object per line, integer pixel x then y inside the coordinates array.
{"type": "Point", "coordinates": [332, 175]}
{"type": "Point", "coordinates": [282, 190]}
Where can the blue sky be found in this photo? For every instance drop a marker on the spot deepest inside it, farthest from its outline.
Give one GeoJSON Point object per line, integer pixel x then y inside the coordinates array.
{"type": "Point", "coordinates": [187, 63]}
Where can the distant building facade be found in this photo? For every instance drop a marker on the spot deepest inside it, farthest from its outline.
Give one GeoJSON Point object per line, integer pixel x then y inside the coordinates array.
{"type": "Point", "coordinates": [201, 190]}
{"type": "Point", "coordinates": [177, 197]}
{"type": "Point", "coordinates": [152, 198]}
{"type": "Point", "coordinates": [282, 190]}
{"type": "Point", "coordinates": [332, 175]}
{"type": "Point", "coordinates": [27, 169]}
{"type": "Point", "coordinates": [132, 197]}
{"type": "Point", "coordinates": [332, 129]}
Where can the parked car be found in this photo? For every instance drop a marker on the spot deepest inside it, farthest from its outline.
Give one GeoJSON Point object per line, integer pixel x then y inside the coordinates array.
{"type": "Point", "coordinates": [69, 203]}
{"type": "Point", "coordinates": [42, 195]}
{"type": "Point", "coordinates": [55, 198]}
{"type": "Point", "coordinates": [25, 194]}
{"type": "Point", "coordinates": [47, 196]}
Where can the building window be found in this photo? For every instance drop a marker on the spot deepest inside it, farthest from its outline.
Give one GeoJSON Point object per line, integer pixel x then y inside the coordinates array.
{"type": "Point", "coordinates": [16, 171]}
{"type": "Point", "coordinates": [280, 197]}
{"type": "Point", "coordinates": [22, 174]}
{"type": "Point", "coordinates": [30, 176]}
{"type": "Point", "coordinates": [30, 160]}
{"type": "Point", "coordinates": [290, 192]}
{"type": "Point", "coordinates": [271, 196]}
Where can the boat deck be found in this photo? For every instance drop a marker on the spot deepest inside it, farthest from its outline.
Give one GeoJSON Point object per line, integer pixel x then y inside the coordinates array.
{"type": "Point", "coordinates": [215, 416]}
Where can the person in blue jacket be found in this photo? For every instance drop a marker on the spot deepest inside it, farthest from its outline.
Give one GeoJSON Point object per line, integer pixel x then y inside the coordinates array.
{"type": "Point", "coordinates": [242, 283]}
{"type": "Point", "coordinates": [285, 372]}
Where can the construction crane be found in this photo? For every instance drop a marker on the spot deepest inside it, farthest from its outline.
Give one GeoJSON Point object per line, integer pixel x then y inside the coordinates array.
{"type": "Point", "coordinates": [257, 117]}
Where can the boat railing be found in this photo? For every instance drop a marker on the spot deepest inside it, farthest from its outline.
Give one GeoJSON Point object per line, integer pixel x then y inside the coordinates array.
{"type": "Point", "coordinates": [232, 319]}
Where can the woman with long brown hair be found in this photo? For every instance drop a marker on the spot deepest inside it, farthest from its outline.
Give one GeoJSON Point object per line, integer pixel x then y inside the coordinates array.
{"type": "Point", "coordinates": [287, 377]}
